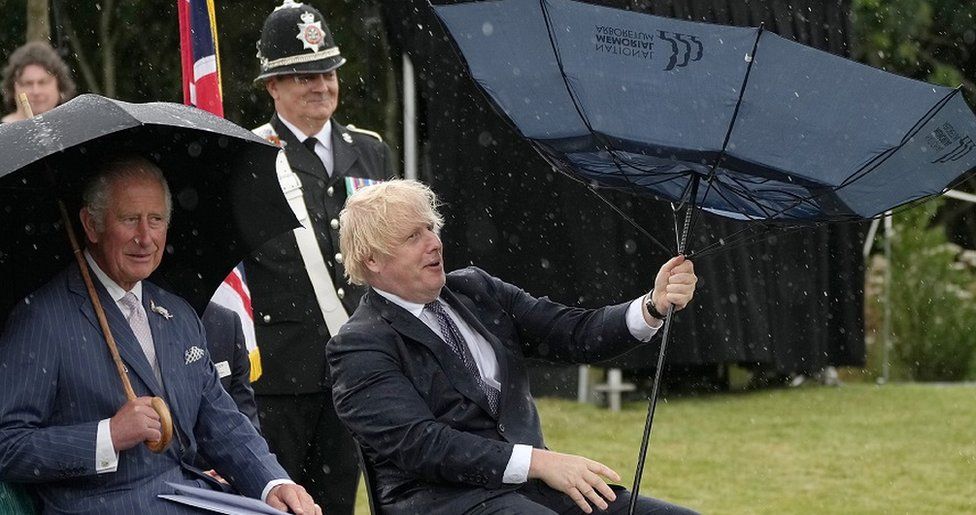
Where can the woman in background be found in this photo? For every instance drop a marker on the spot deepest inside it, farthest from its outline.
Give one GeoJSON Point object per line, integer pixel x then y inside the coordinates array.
{"type": "Point", "coordinates": [35, 69]}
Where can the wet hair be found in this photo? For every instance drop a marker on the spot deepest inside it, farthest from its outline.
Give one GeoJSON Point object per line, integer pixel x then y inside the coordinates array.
{"type": "Point", "coordinates": [371, 223]}
{"type": "Point", "coordinates": [41, 54]}
{"type": "Point", "coordinates": [95, 196]}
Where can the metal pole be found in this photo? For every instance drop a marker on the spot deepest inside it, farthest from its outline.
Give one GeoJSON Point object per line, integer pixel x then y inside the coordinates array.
{"type": "Point", "coordinates": [583, 384]}
{"type": "Point", "coordinates": [886, 316]}
{"type": "Point", "coordinates": [409, 120]}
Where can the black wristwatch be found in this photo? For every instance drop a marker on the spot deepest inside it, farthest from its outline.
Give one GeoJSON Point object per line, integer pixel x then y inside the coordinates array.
{"type": "Point", "coordinates": [651, 310]}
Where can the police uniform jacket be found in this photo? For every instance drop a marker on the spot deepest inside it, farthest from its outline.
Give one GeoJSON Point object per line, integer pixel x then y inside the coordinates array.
{"type": "Point", "coordinates": [290, 331]}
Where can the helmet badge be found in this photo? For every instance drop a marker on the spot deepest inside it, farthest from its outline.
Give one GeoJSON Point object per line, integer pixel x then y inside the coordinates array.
{"type": "Point", "coordinates": [310, 32]}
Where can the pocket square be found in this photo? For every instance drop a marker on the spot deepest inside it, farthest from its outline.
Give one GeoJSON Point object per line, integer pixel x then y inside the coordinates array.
{"type": "Point", "coordinates": [193, 354]}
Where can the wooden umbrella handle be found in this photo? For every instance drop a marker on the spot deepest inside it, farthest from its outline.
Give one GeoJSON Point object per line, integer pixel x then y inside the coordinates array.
{"type": "Point", "coordinates": [25, 104]}
{"type": "Point", "coordinates": [165, 426]}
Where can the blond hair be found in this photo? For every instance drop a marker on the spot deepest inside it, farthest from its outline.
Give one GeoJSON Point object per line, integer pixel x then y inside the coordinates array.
{"type": "Point", "coordinates": [371, 223]}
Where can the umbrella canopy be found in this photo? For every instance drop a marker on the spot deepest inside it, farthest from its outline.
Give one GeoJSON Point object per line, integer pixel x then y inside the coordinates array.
{"type": "Point", "coordinates": [773, 130]}
{"type": "Point", "coordinates": [226, 196]}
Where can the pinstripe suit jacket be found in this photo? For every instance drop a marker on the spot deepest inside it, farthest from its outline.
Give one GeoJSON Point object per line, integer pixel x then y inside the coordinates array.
{"type": "Point", "coordinates": [57, 381]}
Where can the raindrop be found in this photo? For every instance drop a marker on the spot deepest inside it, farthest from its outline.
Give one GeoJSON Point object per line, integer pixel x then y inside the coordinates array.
{"type": "Point", "coordinates": [630, 246]}
{"type": "Point", "coordinates": [188, 199]}
{"type": "Point", "coordinates": [484, 139]}
{"type": "Point", "coordinates": [194, 149]}
{"type": "Point", "coordinates": [487, 28]}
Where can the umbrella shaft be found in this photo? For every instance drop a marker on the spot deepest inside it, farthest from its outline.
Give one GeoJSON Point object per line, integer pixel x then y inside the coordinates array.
{"type": "Point", "coordinates": [659, 371]}
{"type": "Point", "coordinates": [651, 407]}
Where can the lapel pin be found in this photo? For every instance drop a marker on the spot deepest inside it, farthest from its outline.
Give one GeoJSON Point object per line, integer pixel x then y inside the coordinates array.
{"type": "Point", "coordinates": [346, 137]}
{"type": "Point", "coordinates": [159, 310]}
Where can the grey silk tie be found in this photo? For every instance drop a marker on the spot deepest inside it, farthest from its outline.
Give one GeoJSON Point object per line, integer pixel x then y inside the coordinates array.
{"type": "Point", "coordinates": [452, 336]}
{"type": "Point", "coordinates": [140, 327]}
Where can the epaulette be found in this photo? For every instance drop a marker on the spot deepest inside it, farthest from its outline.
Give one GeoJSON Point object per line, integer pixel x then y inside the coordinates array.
{"type": "Point", "coordinates": [364, 131]}
{"type": "Point", "coordinates": [268, 133]}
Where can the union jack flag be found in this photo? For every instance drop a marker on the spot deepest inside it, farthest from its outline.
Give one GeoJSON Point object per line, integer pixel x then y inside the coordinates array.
{"type": "Point", "coordinates": [201, 88]}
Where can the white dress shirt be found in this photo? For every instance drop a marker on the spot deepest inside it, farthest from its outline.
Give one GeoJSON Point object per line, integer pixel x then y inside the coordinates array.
{"type": "Point", "coordinates": [323, 147]}
{"type": "Point", "coordinates": [517, 469]}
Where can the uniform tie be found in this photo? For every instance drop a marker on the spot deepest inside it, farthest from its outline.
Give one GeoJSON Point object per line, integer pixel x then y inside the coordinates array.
{"type": "Point", "coordinates": [140, 327]}
{"type": "Point", "coordinates": [452, 336]}
{"type": "Point", "coordinates": [310, 145]}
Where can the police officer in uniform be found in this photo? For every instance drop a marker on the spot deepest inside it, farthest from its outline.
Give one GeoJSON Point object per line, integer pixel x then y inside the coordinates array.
{"type": "Point", "coordinates": [298, 287]}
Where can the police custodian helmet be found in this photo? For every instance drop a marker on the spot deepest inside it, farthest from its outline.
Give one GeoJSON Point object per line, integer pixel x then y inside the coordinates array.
{"type": "Point", "coordinates": [295, 39]}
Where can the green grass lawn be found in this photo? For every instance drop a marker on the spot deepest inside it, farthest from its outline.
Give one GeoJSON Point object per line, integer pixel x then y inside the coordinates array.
{"type": "Point", "coordinates": [859, 449]}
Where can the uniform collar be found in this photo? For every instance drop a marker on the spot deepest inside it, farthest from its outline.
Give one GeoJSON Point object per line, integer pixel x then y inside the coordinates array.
{"type": "Point", "coordinates": [324, 136]}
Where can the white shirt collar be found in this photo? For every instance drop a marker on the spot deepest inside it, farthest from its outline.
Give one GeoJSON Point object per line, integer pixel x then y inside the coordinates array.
{"type": "Point", "coordinates": [114, 290]}
{"type": "Point", "coordinates": [414, 308]}
{"type": "Point", "coordinates": [324, 136]}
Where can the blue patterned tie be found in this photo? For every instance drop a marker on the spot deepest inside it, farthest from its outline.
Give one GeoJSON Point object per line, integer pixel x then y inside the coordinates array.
{"type": "Point", "coordinates": [452, 336]}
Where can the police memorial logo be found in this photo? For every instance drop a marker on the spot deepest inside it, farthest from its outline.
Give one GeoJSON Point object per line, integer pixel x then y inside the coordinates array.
{"type": "Point", "coordinates": [309, 33]}
{"type": "Point", "coordinates": [945, 137]}
{"type": "Point", "coordinates": [681, 49]}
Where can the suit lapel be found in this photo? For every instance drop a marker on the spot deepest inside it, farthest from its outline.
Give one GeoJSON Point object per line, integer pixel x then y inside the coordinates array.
{"type": "Point", "coordinates": [129, 349]}
{"type": "Point", "coordinates": [414, 329]}
{"type": "Point", "coordinates": [169, 354]}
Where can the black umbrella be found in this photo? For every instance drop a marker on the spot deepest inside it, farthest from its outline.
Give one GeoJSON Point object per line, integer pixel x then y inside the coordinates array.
{"type": "Point", "coordinates": [227, 200]}
{"type": "Point", "coordinates": [226, 196]}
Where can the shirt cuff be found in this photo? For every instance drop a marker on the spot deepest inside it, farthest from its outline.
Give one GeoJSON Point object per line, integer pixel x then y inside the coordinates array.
{"type": "Point", "coordinates": [106, 459]}
{"type": "Point", "coordinates": [273, 483]}
{"type": "Point", "coordinates": [638, 326]}
{"type": "Point", "coordinates": [517, 470]}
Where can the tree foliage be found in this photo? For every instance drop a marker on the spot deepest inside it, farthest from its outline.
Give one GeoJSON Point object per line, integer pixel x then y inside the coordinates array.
{"type": "Point", "coordinates": [932, 296]}
{"type": "Point", "coordinates": [930, 40]}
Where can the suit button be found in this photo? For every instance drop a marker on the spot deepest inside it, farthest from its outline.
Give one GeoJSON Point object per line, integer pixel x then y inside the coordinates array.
{"type": "Point", "coordinates": [338, 257]}
{"type": "Point", "coordinates": [330, 192]}
{"type": "Point", "coordinates": [501, 427]}
{"type": "Point", "coordinates": [266, 318]}
{"type": "Point", "coordinates": [334, 223]}
{"type": "Point", "coordinates": [341, 293]}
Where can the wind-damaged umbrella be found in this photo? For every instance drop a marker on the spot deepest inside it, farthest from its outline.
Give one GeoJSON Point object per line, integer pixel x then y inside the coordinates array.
{"type": "Point", "coordinates": [735, 121]}
{"type": "Point", "coordinates": [226, 197]}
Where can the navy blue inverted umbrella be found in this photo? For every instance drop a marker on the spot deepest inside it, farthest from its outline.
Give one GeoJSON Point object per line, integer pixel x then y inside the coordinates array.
{"type": "Point", "coordinates": [738, 122]}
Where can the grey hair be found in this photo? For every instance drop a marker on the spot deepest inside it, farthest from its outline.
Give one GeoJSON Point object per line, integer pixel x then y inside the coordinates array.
{"type": "Point", "coordinates": [95, 197]}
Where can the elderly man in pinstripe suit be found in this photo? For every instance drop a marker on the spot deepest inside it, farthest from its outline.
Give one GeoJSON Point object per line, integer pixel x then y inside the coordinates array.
{"type": "Point", "coordinates": [61, 425]}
